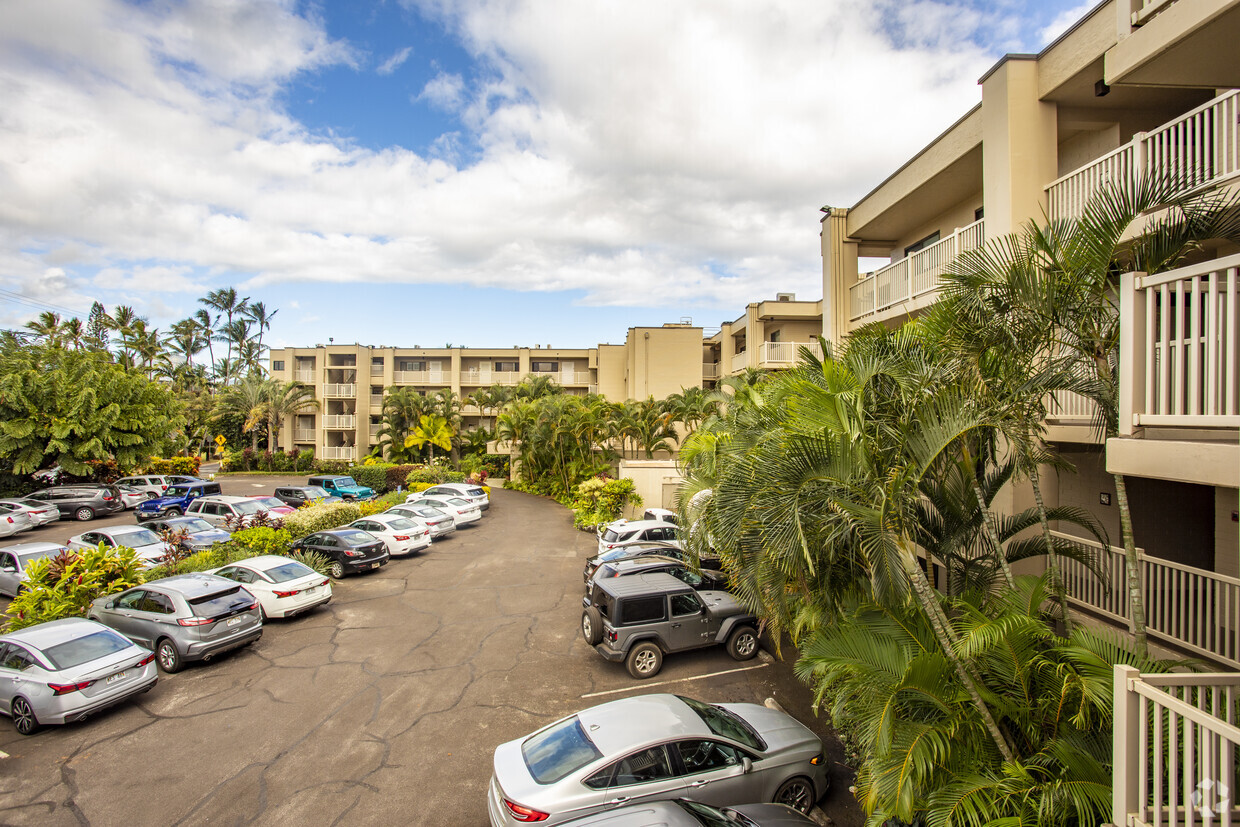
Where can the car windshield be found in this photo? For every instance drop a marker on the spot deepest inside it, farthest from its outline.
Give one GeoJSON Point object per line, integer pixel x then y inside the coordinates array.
{"type": "Point", "coordinates": [613, 536]}
{"type": "Point", "coordinates": [84, 649]}
{"type": "Point", "coordinates": [355, 536]}
{"type": "Point", "coordinates": [137, 539]}
{"type": "Point", "coordinates": [558, 750]}
{"type": "Point", "coordinates": [725, 724]}
{"type": "Point", "coordinates": [709, 816]}
{"type": "Point", "coordinates": [346, 482]}
{"type": "Point", "coordinates": [31, 503]}
{"type": "Point", "coordinates": [178, 490]}
{"type": "Point", "coordinates": [316, 493]}
{"type": "Point", "coordinates": [192, 525]}
{"type": "Point", "coordinates": [288, 571]}
{"type": "Point", "coordinates": [270, 502]}
{"type": "Point", "coordinates": [457, 501]}
{"type": "Point", "coordinates": [401, 524]}
{"type": "Point", "coordinates": [29, 556]}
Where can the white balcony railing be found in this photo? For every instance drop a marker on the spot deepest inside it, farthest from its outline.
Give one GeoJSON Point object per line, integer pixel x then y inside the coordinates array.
{"type": "Point", "coordinates": [785, 354]}
{"type": "Point", "coordinates": [1174, 748]}
{"type": "Point", "coordinates": [303, 435]}
{"type": "Point", "coordinates": [710, 370]}
{"type": "Point", "coordinates": [336, 452]}
{"type": "Point", "coordinates": [306, 376]}
{"type": "Point", "coordinates": [912, 276]}
{"type": "Point", "coordinates": [740, 361]}
{"type": "Point", "coordinates": [580, 377]}
{"type": "Point", "coordinates": [340, 422]}
{"type": "Point", "coordinates": [374, 431]}
{"type": "Point", "coordinates": [376, 400]}
{"type": "Point", "coordinates": [486, 377]}
{"type": "Point", "coordinates": [1190, 608]}
{"type": "Point", "coordinates": [1196, 150]}
{"type": "Point", "coordinates": [340, 391]}
{"type": "Point", "coordinates": [1180, 347]}
{"type": "Point", "coordinates": [409, 377]}
{"type": "Point", "coordinates": [1066, 406]}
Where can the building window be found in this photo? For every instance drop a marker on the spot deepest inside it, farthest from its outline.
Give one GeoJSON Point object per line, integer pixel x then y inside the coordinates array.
{"type": "Point", "coordinates": [923, 244]}
{"type": "Point", "coordinates": [277, 365]}
{"type": "Point", "coordinates": [411, 366]}
{"type": "Point", "coordinates": [775, 336]}
{"type": "Point", "coordinates": [544, 367]}
{"type": "Point", "coordinates": [979, 213]}
{"type": "Point", "coordinates": [507, 367]}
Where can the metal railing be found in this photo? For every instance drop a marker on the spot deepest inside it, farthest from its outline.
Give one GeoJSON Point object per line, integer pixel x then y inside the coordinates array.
{"type": "Point", "coordinates": [1174, 747]}
{"type": "Point", "coordinates": [306, 376]}
{"type": "Point", "coordinates": [740, 361]}
{"type": "Point", "coordinates": [785, 354]}
{"type": "Point", "coordinates": [1190, 608]}
{"type": "Point", "coordinates": [336, 452]}
{"type": "Point", "coordinates": [339, 422]}
{"type": "Point", "coordinates": [912, 276]}
{"type": "Point", "coordinates": [710, 370]}
{"type": "Point", "coordinates": [303, 435]}
{"type": "Point", "coordinates": [1198, 149]}
{"type": "Point", "coordinates": [1180, 347]}
{"type": "Point", "coordinates": [340, 391]}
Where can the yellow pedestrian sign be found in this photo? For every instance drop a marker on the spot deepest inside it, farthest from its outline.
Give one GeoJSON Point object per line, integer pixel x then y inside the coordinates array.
{"type": "Point", "coordinates": [219, 440]}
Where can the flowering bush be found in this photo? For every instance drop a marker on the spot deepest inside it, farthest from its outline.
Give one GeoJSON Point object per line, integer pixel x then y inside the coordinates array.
{"type": "Point", "coordinates": [600, 500]}
{"type": "Point", "coordinates": [64, 585]}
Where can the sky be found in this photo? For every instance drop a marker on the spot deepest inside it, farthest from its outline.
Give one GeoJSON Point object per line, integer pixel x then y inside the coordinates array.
{"type": "Point", "coordinates": [485, 173]}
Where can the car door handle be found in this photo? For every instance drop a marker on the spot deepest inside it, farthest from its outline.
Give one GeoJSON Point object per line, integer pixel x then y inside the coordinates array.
{"type": "Point", "coordinates": [699, 783]}
{"type": "Point", "coordinates": [619, 800]}
{"type": "Point", "coordinates": [675, 625]}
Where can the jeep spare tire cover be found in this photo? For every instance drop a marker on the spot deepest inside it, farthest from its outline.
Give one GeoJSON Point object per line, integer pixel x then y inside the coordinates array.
{"type": "Point", "coordinates": [592, 625]}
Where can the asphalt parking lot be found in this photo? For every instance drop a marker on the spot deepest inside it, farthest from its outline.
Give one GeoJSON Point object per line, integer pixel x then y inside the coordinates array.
{"type": "Point", "coordinates": [384, 706]}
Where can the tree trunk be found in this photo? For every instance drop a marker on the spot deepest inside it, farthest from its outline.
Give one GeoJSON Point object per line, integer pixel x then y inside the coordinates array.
{"type": "Point", "coordinates": [1052, 563]}
{"type": "Point", "coordinates": [992, 533]}
{"type": "Point", "coordinates": [1132, 564]}
{"type": "Point", "coordinates": [946, 637]}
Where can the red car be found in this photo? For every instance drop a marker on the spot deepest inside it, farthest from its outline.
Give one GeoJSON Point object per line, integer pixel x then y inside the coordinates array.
{"type": "Point", "coordinates": [273, 506]}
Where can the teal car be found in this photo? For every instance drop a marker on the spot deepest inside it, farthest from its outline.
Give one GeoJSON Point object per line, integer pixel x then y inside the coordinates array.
{"type": "Point", "coordinates": [342, 486]}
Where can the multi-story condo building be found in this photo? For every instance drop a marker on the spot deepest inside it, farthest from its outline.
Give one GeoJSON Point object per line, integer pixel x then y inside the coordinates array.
{"type": "Point", "coordinates": [1136, 87]}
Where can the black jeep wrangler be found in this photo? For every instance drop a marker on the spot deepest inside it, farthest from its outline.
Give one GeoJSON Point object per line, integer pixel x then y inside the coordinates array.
{"type": "Point", "coordinates": [639, 618]}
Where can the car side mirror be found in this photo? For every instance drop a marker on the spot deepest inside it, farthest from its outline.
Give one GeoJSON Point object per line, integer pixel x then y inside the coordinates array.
{"type": "Point", "coordinates": [9, 568]}
{"type": "Point", "coordinates": [746, 766]}
{"type": "Point", "coordinates": [111, 604]}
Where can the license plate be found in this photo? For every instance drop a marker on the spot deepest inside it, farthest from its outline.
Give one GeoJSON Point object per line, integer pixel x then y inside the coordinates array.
{"type": "Point", "coordinates": [311, 590]}
{"type": "Point", "coordinates": [373, 566]}
{"type": "Point", "coordinates": [114, 678]}
{"type": "Point", "coordinates": [233, 621]}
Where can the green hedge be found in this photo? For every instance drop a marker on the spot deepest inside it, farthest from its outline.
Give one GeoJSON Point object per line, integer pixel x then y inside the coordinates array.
{"type": "Point", "coordinates": [187, 466]}
{"type": "Point", "coordinates": [433, 476]}
{"type": "Point", "coordinates": [312, 518]}
{"type": "Point", "coordinates": [372, 476]}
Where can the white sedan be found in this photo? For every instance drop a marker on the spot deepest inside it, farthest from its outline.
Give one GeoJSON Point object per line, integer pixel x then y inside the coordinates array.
{"type": "Point", "coordinates": [402, 535]}
{"type": "Point", "coordinates": [151, 549]}
{"type": "Point", "coordinates": [459, 510]}
{"type": "Point", "coordinates": [283, 587]}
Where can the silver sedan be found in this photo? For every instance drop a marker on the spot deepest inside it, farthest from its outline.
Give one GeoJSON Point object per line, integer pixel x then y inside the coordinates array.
{"type": "Point", "coordinates": [65, 670]}
{"type": "Point", "coordinates": [40, 513]}
{"type": "Point", "coordinates": [651, 748]}
{"type": "Point", "coordinates": [14, 560]}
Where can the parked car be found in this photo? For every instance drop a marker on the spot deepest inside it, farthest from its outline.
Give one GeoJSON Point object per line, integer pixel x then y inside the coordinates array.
{"type": "Point", "coordinates": [14, 560]}
{"type": "Point", "coordinates": [154, 483]}
{"type": "Point", "coordinates": [638, 619]}
{"type": "Point", "coordinates": [184, 618]}
{"type": "Point", "coordinates": [649, 564]}
{"type": "Point", "coordinates": [81, 502]}
{"type": "Point", "coordinates": [299, 495]}
{"type": "Point", "coordinates": [637, 531]}
{"type": "Point", "coordinates": [133, 497]}
{"type": "Point", "coordinates": [13, 520]}
{"type": "Point", "coordinates": [273, 505]}
{"type": "Point", "coordinates": [176, 499]}
{"type": "Point", "coordinates": [665, 515]}
{"type": "Point", "coordinates": [656, 747]}
{"type": "Point", "coordinates": [438, 521]}
{"type": "Point", "coordinates": [683, 812]}
{"type": "Point", "coordinates": [219, 509]}
{"type": "Point", "coordinates": [283, 587]}
{"type": "Point", "coordinates": [474, 494]}
{"type": "Point", "coordinates": [149, 546]}
{"type": "Point", "coordinates": [181, 479]}
{"type": "Point", "coordinates": [40, 512]}
{"type": "Point", "coordinates": [341, 486]}
{"type": "Point", "coordinates": [62, 671]}
{"type": "Point", "coordinates": [350, 550]}
{"type": "Point", "coordinates": [402, 536]}
{"type": "Point", "coordinates": [461, 512]}
{"type": "Point", "coordinates": [199, 533]}
{"type": "Point", "coordinates": [635, 550]}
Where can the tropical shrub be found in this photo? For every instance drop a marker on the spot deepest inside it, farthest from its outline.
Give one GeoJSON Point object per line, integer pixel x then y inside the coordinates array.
{"type": "Point", "coordinates": [314, 560]}
{"type": "Point", "coordinates": [433, 475]}
{"type": "Point", "coordinates": [496, 465]}
{"type": "Point", "coordinates": [381, 504]}
{"type": "Point", "coordinates": [187, 466]}
{"type": "Point", "coordinates": [372, 476]}
{"type": "Point", "coordinates": [600, 500]}
{"type": "Point", "coordinates": [397, 476]}
{"type": "Point", "coordinates": [312, 518]}
{"type": "Point", "coordinates": [64, 585]}
{"type": "Point", "coordinates": [262, 540]}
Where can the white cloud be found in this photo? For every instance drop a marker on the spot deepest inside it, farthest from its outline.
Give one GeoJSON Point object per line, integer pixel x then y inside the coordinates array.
{"type": "Point", "coordinates": [644, 152]}
{"type": "Point", "coordinates": [394, 62]}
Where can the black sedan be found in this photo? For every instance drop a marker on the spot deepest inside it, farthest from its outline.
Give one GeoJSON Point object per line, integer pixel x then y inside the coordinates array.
{"type": "Point", "coordinates": [630, 552]}
{"type": "Point", "coordinates": [350, 550]}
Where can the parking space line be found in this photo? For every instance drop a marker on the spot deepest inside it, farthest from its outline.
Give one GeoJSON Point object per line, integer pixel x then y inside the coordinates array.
{"type": "Point", "coordinates": [677, 680]}
{"type": "Point", "coordinates": [3, 754]}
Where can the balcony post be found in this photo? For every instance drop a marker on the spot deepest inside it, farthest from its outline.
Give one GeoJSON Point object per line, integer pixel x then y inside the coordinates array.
{"type": "Point", "coordinates": [1132, 352]}
{"type": "Point", "coordinates": [1140, 157]}
{"type": "Point", "coordinates": [1126, 754]}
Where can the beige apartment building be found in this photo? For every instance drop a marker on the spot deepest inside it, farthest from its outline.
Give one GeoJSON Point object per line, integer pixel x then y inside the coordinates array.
{"type": "Point", "coordinates": [1136, 87]}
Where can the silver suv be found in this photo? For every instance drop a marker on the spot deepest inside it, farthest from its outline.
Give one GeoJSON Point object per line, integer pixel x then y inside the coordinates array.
{"type": "Point", "coordinates": [220, 508]}
{"type": "Point", "coordinates": [638, 619]}
{"type": "Point", "coordinates": [183, 618]}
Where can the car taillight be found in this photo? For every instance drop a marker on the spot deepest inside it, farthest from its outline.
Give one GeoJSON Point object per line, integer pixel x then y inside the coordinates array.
{"type": "Point", "coordinates": [287, 594]}
{"type": "Point", "coordinates": [401, 537]}
{"type": "Point", "coordinates": [146, 660]}
{"type": "Point", "coordinates": [10, 519]}
{"type": "Point", "coordinates": [107, 497]}
{"type": "Point", "coordinates": [350, 552]}
{"type": "Point", "coordinates": [521, 813]}
{"type": "Point", "coordinates": [66, 688]}
{"type": "Point", "coordinates": [818, 759]}
{"type": "Point", "coordinates": [612, 635]}
{"type": "Point", "coordinates": [195, 621]}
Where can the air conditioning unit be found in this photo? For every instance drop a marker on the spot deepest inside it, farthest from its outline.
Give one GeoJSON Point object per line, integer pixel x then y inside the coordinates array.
{"type": "Point", "coordinates": [785, 297]}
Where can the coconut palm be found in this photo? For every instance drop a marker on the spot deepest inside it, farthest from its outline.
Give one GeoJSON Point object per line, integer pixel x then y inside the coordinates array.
{"type": "Point", "coordinates": [249, 398]}
{"type": "Point", "coordinates": [257, 313]}
{"type": "Point", "coordinates": [285, 399]}
{"type": "Point", "coordinates": [229, 305]}
{"type": "Point", "coordinates": [402, 409]}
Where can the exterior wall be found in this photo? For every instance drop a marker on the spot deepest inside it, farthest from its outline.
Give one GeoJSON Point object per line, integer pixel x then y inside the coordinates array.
{"type": "Point", "coordinates": [663, 360]}
{"type": "Point", "coordinates": [656, 481]}
{"type": "Point", "coordinates": [1226, 531]}
{"type": "Point", "coordinates": [612, 371]}
{"type": "Point", "coordinates": [793, 330]}
{"type": "Point", "coordinates": [954, 217]}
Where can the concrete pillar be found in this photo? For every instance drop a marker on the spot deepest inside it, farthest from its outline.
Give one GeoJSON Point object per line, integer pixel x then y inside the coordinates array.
{"type": "Point", "coordinates": [1019, 146]}
{"type": "Point", "coordinates": [839, 272]}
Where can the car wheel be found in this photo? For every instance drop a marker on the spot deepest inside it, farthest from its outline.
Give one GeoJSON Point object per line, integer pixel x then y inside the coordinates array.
{"type": "Point", "coordinates": [797, 793]}
{"type": "Point", "coordinates": [24, 720]}
{"type": "Point", "coordinates": [743, 643]}
{"type": "Point", "coordinates": [645, 660]}
{"type": "Point", "coordinates": [83, 514]}
{"type": "Point", "coordinates": [336, 570]}
{"type": "Point", "coordinates": [173, 512]}
{"type": "Point", "coordinates": [592, 625]}
{"type": "Point", "coordinates": [168, 656]}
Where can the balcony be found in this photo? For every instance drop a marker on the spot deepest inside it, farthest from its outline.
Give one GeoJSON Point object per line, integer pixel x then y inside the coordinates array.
{"type": "Point", "coordinates": [740, 361]}
{"type": "Point", "coordinates": [784, 354]}
{"type": "Point", "coordinates": [374, 432]}
{"type": "Point", "coordinates": [303, 435]}
{"type": "Point", "coordinates": [574, 378]}
{"type": "Point", "coordinates": [912, 276]}
{"type": "Point", "coordinates": [1197, 150]}
{"type": "Point", "coordinates": [710, 370]}
{"type": "Point", "coordinates": [340, 391]}
{"type": "Point", "coordinates": [486, 377]}
{"type": "Point", "coordinates": [346, 422]}
{"type": "Point", "coordinates": [306, 376]}
{"type": "Point", "coordinates": [376, 401]}
{"type": "Point", "coordinates": [344, 452]}
{"type": "Point", "coordinates": [376, 370]}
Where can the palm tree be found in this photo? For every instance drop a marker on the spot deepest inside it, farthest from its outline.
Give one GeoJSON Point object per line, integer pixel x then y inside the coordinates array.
{"type": "Point", "coordinates": [402, 409]}
{"type": "Point", "coordinates": [229, 305]}
{"type": "Point", "coordinates": [431, 430]}
{"type": "Point", "coordinates": [257, 313]}
{"type": "Point", "coordinates": [206, 326]}
{"type": "Point", "coordinates": [446, 404]}
{"type": "Point", "coordinates": [186, 339]}
{"type": "Point", "coordinates": [74, 333]}
{"type": "Point", "coordinates": [250, 398]}
{"type": "Point", "coordinates": [535, 386]}
{"type": "Point", "coordinates": [285, 399]}
{"type": "Point", "coordinates": [46, 328]}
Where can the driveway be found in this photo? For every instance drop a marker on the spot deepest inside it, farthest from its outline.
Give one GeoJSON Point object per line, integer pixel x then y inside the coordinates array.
{"type": "Point", "coordinates": [384, 706]}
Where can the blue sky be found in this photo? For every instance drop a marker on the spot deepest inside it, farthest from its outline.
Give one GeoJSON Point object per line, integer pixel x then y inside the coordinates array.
{"type": "Point", "coordinates": [480, 172]}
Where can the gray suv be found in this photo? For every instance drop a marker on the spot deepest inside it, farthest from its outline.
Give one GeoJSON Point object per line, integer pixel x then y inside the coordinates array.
{"type": "Point", "coordinates": [81, 502]}
{"type": "Point", "coordinates": [638, 619]}
{"type": "Point", "coordinates": [183, 618]}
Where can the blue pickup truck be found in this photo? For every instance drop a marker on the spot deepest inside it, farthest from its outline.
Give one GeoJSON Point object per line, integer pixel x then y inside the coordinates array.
{"type": "Point", "coordinates": [341, 486]}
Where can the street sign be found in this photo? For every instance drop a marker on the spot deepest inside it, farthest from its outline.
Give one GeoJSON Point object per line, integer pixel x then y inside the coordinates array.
{"type": "Point", "coordinates": [219, 440]}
